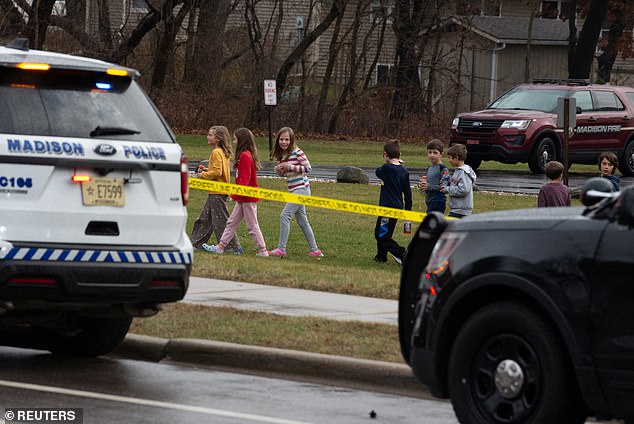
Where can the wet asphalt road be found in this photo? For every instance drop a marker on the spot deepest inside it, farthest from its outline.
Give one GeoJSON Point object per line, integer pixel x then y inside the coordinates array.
{"type": "Point", "coordinates": [112, 390]}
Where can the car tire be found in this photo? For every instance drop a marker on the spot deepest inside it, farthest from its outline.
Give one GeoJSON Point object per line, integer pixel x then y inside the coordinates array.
{"type": "Point", "coordinates": [544, 152]}
{"type": "Point", "coordinates": [91, 336]}
{"type": "Point", "coordinates": [507, 365]}
{"type": "Point", "coordinates": [626, 163]}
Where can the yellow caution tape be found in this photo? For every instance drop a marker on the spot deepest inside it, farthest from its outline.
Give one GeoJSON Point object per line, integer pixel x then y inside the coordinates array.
{"type": "Point", "coordinates": [320, 202]}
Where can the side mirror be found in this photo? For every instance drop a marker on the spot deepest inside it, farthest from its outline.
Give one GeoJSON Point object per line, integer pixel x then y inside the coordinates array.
{"type": "Point", "coordinates": [579, 110]}
{"type": "Point", "coordinates": [595, 190]}
{"type": "Point", "coordinates": [625, 207]}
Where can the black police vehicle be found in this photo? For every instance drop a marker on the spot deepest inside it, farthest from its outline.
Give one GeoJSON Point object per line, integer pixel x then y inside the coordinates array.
{"type": "Point", "coordinates": [525, 316]}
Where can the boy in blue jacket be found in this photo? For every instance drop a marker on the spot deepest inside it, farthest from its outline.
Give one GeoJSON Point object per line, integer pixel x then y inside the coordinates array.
{"type": "Point", "coordinates": [395, 193]}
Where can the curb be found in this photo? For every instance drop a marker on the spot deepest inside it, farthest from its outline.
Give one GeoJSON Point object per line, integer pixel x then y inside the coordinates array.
{"type": "Point", "coordinates": [363, 374]}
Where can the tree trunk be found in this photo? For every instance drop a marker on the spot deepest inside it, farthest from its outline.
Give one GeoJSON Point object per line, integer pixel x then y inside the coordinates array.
{"type": "Point", "coordinates": [587, 43]}
{"type": "Point", "coordinates": [38, 22]}
{"type": "Point", "coordinates": [605, 61]}
{"type": "Point", "coordinates": [333, 53]}
{"type": "Point", "coordinates": [407, 27]}
{"type": "Point", "coordinates": [204, 69]}
{"type": "Point", "coordinates": [335, 10]}
{"type": "Point", "coordinates": [165, 50]}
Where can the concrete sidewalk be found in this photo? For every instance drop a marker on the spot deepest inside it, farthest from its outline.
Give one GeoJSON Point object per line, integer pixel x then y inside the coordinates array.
{"type": "Point", "coordinates": [295, 302]}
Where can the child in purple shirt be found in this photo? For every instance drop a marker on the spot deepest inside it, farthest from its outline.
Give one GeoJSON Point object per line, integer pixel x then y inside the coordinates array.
{"type": "Point", "coordinates": [553, 193]}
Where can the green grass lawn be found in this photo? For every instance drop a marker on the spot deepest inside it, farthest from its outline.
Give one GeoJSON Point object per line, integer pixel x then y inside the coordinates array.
{"type": "Point", "coordinates": [346, 239]}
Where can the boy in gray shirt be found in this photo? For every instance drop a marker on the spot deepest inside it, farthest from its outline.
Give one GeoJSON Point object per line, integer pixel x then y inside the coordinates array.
{"type": "Point", "coordinates": [460, 188]}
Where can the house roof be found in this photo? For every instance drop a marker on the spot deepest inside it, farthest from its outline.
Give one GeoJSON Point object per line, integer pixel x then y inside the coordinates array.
{"type": "Point", "coordinates": [514, 30]}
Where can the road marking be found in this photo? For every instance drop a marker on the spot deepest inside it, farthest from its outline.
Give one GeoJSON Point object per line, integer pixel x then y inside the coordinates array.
{"type": "Point", "coordinates": [147, 402]}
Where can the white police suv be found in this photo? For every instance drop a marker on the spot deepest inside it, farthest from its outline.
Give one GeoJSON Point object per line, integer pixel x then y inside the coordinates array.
{"type": "Point", "coordinates": [93, 189]}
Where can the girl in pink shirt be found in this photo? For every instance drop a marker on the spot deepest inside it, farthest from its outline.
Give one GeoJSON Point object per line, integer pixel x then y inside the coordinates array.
{"type": "Point", "coordinates": [246, 208]}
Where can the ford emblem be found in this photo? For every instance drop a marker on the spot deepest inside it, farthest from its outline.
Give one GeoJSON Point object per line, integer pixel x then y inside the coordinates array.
{"type": "Point", "coordinates": [476, 124]}
{"type": "Point", "coordinates": [105, 150]}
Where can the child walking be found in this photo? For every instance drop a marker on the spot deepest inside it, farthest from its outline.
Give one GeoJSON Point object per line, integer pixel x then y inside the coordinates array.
{"type": "Point", "coordinates": [434, 198]}
{"type": "Point", "coordinates": [246, 208]}
{"type": "Point", "coordinates": [294, 165]}
{"type": "Point", "coordinates": [608, 162]}
{"type": "Point", "coordinates": [213, 217]}
{"type": "Point", "coordinates": [395, 193]}
{"type": "Point", "coordinates": [553, 193]}
{"type": "Point", "coordinates": [460, 188]}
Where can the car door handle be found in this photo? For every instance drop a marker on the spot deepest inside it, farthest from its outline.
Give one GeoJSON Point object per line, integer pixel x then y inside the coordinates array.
{"type": "Point", "coordinates": [592, 118]}
{"type": "Point", "coordinates": [626, 118]}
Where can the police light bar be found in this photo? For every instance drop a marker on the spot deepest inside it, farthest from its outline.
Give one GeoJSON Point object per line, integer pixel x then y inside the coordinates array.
{"type": "Point", "coordinates": [34, 66]}
{"type": "Point", "coordinates": [81, 178]}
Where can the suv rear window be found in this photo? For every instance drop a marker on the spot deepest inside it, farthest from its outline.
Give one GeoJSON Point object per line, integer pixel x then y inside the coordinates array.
{"type": "Point", "coordinates": [75, 104]}
{"type": "Point", "coordinates": [607, 100]}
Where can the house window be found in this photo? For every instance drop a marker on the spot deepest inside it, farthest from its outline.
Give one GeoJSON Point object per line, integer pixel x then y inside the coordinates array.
{"type": "Point", "coordinates": [555, 10]}
{"type": "Point", "coordinates": [139, 4]}
{"type": "Point", "coordinates": [479, 8]}
{"type": "Point", "coordinates": [382, 10]}
{"type": "Point", "coordinates": [384, 74]}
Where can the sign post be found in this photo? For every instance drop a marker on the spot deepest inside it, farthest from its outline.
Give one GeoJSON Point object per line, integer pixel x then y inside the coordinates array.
{"type": "Point", "coordinates": [566, 119]}
{"type": "Point", "coordinates": [270, 99]}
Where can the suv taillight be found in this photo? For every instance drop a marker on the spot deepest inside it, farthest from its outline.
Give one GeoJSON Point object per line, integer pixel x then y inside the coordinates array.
{"type": "Point", "coordinates": [184, 180]}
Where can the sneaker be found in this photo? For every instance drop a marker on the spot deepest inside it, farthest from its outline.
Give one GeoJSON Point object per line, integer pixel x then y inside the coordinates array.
{"type": "Point", "coordinates": [316, 254]}
{"type": "Point", "coordinates": [398, 260]}
{"type": "Point", "coordinates": [238, 251]}
{"type": "Point", "coordinates": [264, 254]}
{"type": "Point", "coordinates": [212, 248]}
{"type": "Point", "coordinates": [277, 252]}
{"type": "Point", "coordinates": [381, 260]}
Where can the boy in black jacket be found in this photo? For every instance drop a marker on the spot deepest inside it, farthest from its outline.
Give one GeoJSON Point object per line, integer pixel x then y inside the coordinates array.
{"type": "Point", "coordinates": [395, 193]}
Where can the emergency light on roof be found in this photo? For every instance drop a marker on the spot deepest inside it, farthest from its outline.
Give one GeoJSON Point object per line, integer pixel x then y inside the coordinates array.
{"type": "Point", "coordinates": [34, 66]}
{"type": "Point", "coordinates": [117, 72]}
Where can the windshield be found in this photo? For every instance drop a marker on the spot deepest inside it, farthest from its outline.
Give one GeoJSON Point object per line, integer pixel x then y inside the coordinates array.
{"type": "Point", "coordinates": [529, 99]}
{"type": "Point", "coordinates": [78, 105]}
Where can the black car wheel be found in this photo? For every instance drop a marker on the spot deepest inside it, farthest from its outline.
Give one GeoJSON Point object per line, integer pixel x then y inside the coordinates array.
{"type": "Point", "coordinates": [626, 164]}
{"type": "Point", "coordinates": [508, 366]}
{"type": "Point", "coordinates": [544, 152]}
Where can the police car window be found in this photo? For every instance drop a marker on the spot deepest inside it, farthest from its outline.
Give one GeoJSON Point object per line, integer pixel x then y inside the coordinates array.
{"type": "Point", "coordinates": [49, 107]}
{"type": "Point", "coordinates": [584, 100]}
{"type": "Point", "coordinates": [607, 101]}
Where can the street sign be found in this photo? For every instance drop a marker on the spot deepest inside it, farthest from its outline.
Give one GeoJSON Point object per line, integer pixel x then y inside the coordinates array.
{"type": "Point", "coordinates": [270, 93]}
{"type": "Point", "coordinates": [571, 110]}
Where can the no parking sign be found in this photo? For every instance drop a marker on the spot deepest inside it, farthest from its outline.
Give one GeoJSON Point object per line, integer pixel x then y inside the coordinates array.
{"type": "Point", "coordinates": [270, 92]}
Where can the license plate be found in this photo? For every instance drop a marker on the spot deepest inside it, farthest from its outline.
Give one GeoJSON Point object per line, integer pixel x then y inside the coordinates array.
{"type": "Point", "coordinates": [473, 141]}
{"type": "Point", "coordinates": [103, 192]}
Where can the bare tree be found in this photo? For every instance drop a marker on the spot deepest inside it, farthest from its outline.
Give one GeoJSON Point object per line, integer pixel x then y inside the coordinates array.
{"type": "Point", "coordinates": [39, 15]}
{"type": "Point", "coordinates": [171, 25]}
{"type": "Point", "coordinates": [333, 53]}
{"type": "Point", "coordinates": [619, 39]}
{"type": "Point", "coordinates": [204, 66]}
{"type": "Point", "coordinates": [408, 24]}
{"type": "Point", "coordinates": [583, 54]}
{"type": "Point", "coordinates": [336, 8]}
